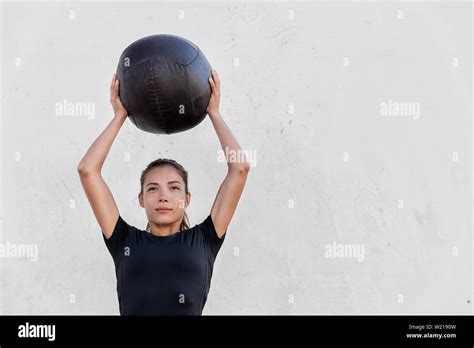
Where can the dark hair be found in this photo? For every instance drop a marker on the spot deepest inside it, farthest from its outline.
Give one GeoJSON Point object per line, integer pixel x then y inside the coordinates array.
{"type": "Point", "coordinates": [161, 162]}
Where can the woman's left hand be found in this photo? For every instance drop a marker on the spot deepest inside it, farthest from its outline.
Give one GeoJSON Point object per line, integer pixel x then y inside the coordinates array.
{"type": "Point", "coordinates": [213, 106]}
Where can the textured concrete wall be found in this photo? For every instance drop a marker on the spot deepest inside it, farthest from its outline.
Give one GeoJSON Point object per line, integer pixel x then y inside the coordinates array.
{"type": "Point", "coordinates": [359, 114]}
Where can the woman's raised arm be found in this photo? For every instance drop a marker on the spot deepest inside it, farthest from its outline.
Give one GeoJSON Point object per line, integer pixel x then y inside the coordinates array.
{"type": "Point", "coordinates": [94, 158]}
{"type": "Point", "coordinates": [89, 168]}
{"type": "Point", "coordinates": [231, 189]}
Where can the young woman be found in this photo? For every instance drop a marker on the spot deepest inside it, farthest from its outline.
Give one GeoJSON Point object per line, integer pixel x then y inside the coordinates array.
{"type": "Point", "coordinates": [167, 268]}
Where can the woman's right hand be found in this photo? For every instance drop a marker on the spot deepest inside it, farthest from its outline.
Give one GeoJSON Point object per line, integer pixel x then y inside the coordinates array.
{"type": "Point", "coordinates": [119, 109]}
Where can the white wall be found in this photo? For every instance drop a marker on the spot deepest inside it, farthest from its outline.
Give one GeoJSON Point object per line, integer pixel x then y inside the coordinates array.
{"type": "Point", "coordinates": [331, 170]}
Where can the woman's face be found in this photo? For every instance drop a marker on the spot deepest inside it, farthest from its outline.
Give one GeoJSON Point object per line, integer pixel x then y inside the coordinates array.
{"type": "Point", "coordinates": [164, 188]}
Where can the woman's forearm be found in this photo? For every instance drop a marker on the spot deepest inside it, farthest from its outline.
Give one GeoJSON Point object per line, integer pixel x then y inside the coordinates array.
{"type": "Point", "coordinates": [228, 142]}
{"type": "Point", "coordinates": [95, 156]}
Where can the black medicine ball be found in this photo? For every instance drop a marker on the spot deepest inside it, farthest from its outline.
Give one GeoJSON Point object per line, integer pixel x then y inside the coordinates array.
{"type": "Point", "coordinates": [164, 83]}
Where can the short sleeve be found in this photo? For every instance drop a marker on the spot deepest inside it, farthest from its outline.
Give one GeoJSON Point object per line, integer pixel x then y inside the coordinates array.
{"type": "Point", "coordinates": [211, 237]}
{"type": "Point", "coordinates": [116, 242]}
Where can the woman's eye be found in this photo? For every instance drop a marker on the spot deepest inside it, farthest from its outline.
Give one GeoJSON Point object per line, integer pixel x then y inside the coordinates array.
{"type": "Point", "coordinates": [153, 188]}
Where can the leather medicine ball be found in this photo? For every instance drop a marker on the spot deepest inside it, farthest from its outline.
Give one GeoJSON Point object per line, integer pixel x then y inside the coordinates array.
{"type": "Point", "coordinates": [164, 83]}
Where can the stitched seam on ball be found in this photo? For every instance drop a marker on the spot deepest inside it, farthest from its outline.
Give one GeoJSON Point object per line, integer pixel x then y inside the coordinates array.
{"type": "Point", "coordinates": [190, 96]}
{"type": "Point", "coordinates": [197, 55]}
{"type": "Point", "coordinates": [154, 97]}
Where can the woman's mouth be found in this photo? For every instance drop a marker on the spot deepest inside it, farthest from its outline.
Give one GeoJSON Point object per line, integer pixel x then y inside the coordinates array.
{"type": "Point", "coordinates": [162, 210]}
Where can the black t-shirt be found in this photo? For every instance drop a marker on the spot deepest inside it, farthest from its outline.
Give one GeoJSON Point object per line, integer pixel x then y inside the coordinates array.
{"type": "Point", "coordinates": [163, 275]}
